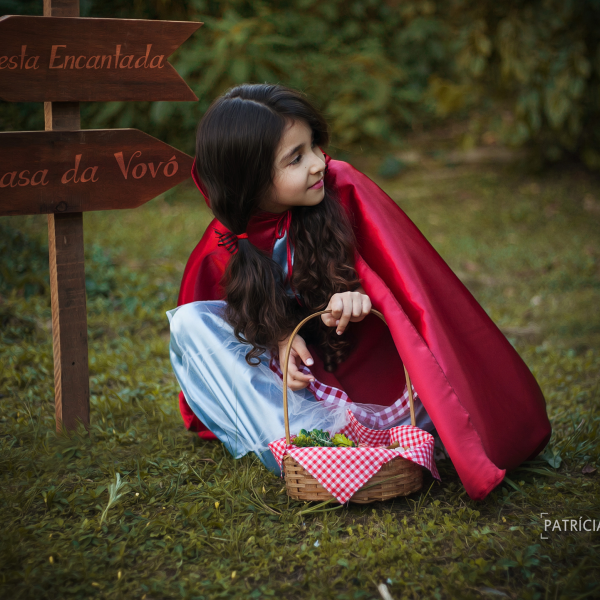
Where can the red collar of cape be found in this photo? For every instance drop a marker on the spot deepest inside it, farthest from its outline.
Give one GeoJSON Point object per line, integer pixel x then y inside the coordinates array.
{"type": "Point", "coordinates": [484, 402]}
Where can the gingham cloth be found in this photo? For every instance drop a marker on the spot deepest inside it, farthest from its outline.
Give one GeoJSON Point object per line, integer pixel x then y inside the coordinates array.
{"type": "Point", "coordinates": [342, 471]}
{"type": "Point", "coordinates": [335, 398]}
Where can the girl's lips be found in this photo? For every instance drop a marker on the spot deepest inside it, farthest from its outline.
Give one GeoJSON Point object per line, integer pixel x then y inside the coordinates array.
{"type": "Point", "coordinates": [317, 185]}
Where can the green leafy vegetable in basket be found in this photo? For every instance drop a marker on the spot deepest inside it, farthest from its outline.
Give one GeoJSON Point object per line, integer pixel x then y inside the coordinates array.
{"type": "Point", "coordinates": [342, 441]}
{"type": "Point", "coordinates": [318, 437]}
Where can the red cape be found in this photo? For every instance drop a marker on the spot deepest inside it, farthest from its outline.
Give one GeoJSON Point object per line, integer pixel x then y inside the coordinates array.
{"type": "Point", "coordinates": [484, 402]}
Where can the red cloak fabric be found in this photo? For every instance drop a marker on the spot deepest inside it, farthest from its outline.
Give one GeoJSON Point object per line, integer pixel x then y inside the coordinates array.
{"type": "Point", "coordinates": [484, 402]}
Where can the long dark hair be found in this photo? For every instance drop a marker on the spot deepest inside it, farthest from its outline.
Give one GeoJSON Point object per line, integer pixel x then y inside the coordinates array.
{"type": "Point", "coordinates": [236, 147]}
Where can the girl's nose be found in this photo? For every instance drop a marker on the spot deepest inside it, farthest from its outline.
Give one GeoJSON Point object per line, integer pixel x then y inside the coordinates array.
{"type": "Point", "coordinates": [317, 165]}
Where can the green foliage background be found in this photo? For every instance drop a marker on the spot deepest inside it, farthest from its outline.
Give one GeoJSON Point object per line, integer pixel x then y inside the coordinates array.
{"type": "Point", "coordinates": [521, 72]}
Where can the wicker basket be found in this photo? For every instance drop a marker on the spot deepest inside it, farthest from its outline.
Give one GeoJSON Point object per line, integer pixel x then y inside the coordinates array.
{"type": "Point", "coordinates": [397, 477]}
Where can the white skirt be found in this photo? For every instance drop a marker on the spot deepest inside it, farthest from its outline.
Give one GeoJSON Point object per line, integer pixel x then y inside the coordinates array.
{"type": "Point", "coordinates": [241, 404]}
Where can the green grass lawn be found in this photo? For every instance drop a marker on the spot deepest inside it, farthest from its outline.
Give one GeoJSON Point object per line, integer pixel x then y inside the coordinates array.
{"type": "Point", "coordinates": [187, 521]}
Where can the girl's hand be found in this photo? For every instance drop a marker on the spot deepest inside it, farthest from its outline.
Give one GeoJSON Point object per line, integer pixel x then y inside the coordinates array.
{"type": "Point", "coordinates": [296, 380]}
{"type": "Point", "coordinates": [346, 307]}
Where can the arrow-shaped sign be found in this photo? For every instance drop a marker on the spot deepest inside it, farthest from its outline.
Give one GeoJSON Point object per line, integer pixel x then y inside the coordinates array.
{"type": "Point", "coordinates": [53, 59]}
{"type": "Point", "coordinates": [77, 171]}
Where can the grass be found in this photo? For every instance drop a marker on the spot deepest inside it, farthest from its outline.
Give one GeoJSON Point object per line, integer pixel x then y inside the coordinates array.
{"type": "Point", "coordinates": [139, 508]}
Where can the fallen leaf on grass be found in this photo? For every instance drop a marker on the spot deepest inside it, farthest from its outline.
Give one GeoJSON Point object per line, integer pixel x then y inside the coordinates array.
{"type": "Point", "coordinates": [383, 590]}
{"type": "Point", "coordinates": [588, 470]}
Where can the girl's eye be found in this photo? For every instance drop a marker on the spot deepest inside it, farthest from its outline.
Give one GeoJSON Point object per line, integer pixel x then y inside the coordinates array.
{"type": "Point", "coordinates": [296, 160]}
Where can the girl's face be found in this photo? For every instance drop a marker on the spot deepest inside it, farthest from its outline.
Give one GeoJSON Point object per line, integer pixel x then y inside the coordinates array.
{"type": "Point", "coordinates": [299, 171]}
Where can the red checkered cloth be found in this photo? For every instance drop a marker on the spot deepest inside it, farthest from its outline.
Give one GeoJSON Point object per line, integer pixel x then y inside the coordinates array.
{"type": "Point", "coordinates": [343, 471]}
{"type": "Point", "coordinates": [336, 398]}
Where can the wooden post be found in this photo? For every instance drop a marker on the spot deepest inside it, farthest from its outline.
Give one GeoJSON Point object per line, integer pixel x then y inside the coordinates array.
{"type": "Point", "coordinates": [67, 277]}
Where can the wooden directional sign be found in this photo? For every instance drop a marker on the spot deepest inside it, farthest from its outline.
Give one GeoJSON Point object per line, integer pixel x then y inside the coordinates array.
{"type": "Point", "coordinates": [77, 171]}
{"type": "Point", "coordinates": [61, 60]}
{"type": "Point", "coordinates": [54, 59]}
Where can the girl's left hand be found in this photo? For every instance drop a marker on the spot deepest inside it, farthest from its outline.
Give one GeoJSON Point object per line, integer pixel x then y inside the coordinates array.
{"type": "Point", "coordinates": [346, 307]}
{"type": "Point", "coordinates": [296, 379]}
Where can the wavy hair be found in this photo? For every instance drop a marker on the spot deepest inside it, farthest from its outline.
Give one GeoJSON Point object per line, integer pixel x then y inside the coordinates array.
{"type": "Point", "coordinates": [236, 146]}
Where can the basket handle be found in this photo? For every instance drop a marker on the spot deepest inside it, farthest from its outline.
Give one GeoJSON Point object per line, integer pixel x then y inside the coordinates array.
{"type": "Point", "coordinates": [285, 370]}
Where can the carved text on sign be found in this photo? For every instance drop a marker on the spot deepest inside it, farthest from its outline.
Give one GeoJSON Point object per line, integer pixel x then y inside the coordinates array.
{"type": "Point", "coordinates": [98, 61]}
{"type": "Point", "coordinates": [52, 59]}
{"type": "Point", "coordinates": [14, 179]}
{"type": "Point", "coordinates": [18, 61]}
{"type": "Point", "coordinates": [127, 61]}
{"type": "Point", "coordinates": [75, 171]}
{"type": "Point", "coordinates": [90, 174]}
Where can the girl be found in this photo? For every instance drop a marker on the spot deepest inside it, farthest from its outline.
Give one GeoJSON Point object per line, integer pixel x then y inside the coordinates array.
{"type": "Point", "coordinates": [296, 232]}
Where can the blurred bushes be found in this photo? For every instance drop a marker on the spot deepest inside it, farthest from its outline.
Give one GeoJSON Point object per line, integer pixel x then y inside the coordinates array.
{"type": "Point", "coordinates": [527, 72]}
{"type": "Point", "coordinates": [521, 72]}
{"type": "Point", "coordinates": [24, 266]}
{"type": "Point", "coordinates": [366, 64]}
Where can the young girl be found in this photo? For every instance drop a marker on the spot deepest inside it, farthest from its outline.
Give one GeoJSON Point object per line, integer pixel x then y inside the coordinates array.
{"type": "Point", "coordinates": [296, 232]}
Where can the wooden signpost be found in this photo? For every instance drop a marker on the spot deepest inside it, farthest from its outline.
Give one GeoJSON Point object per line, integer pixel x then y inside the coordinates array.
{"type": "Point", "coordinates": [61, 59]}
